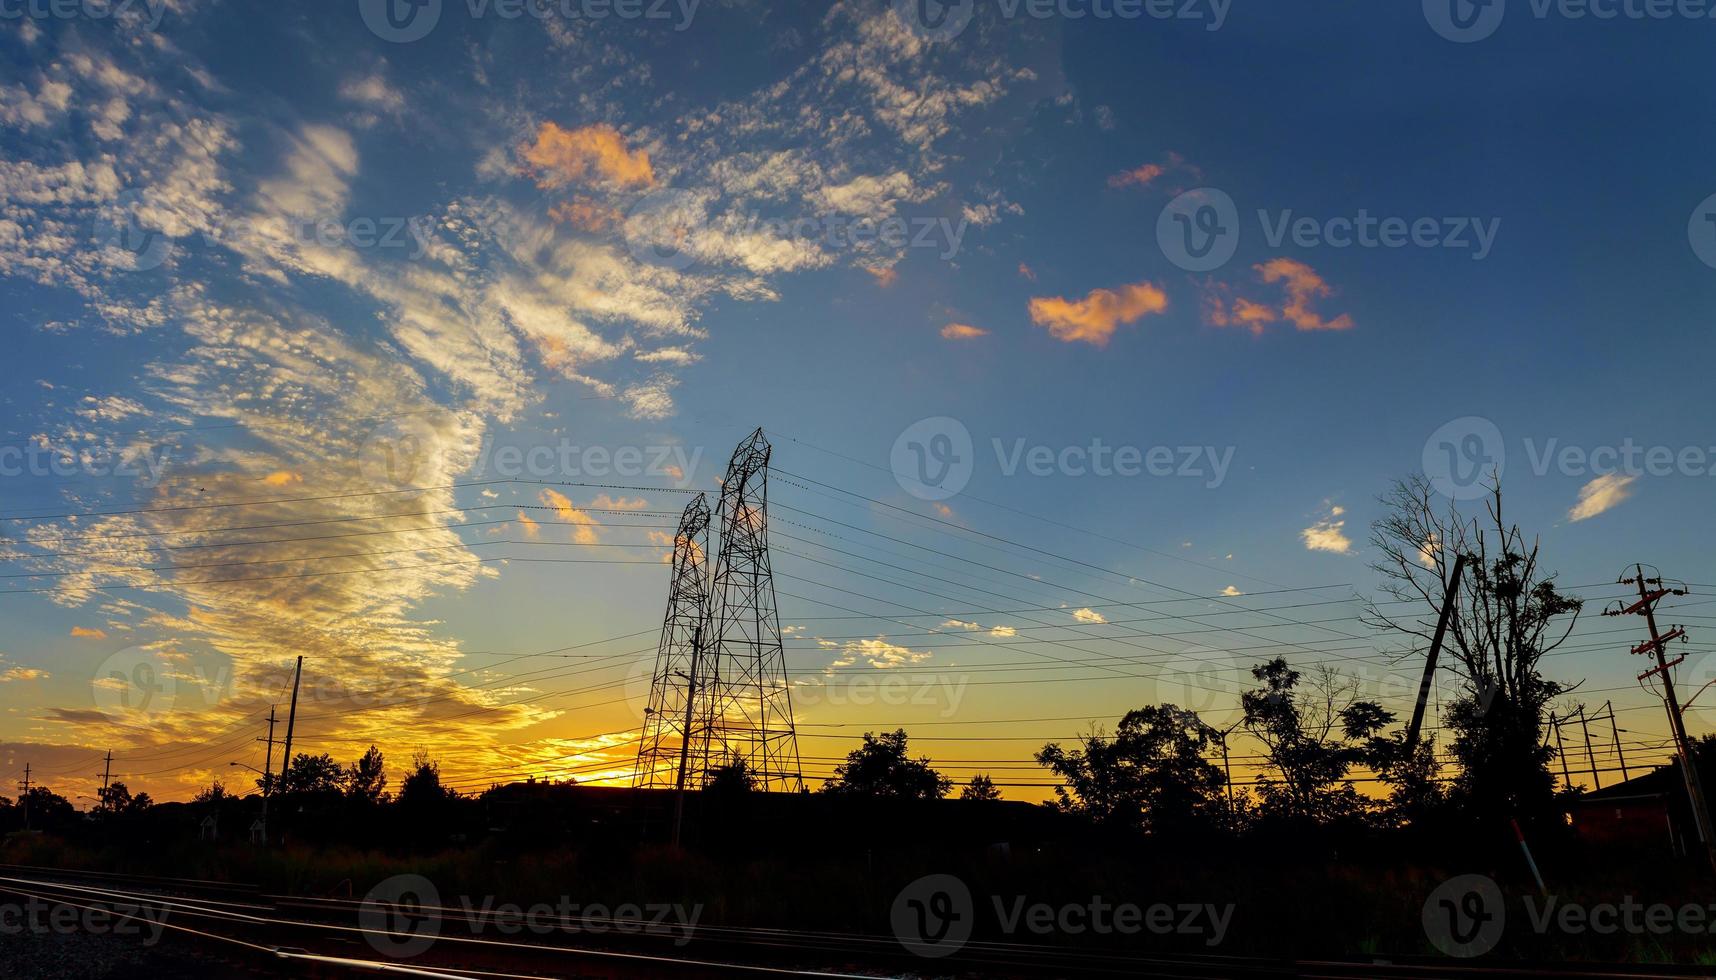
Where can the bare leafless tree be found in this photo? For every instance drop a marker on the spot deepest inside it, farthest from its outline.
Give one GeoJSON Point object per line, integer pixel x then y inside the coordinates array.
{"type": "Point", "coordinates": [1508, 615]}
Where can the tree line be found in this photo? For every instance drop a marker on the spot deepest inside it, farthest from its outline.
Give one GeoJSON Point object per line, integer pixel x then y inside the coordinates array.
{"type": "Point", "coordinates": [1161, 770]}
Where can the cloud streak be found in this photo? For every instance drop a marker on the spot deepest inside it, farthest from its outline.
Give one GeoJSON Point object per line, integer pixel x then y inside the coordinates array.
{"type": "Point", "coordinates": [1094, 319]}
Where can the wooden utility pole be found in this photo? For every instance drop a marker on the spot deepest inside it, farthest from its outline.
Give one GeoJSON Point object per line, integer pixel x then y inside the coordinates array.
{"type": "Point", "coordinates": [1566, 777]}
{"type": "Point", "coordinates": [1616, 731]}
{"type": "Point", "coordinates": [268, 774]}
{"type": "Point", "coordinates": [1451, 594]}
{"type": "Point", "coordinates": [106, 774]}
{"type": "Point", "coordinates": [25, 786]}
{"type": "Point", "coordinates": [1650, 593]}
{"type": "Point", "coordinates": [1596, 780]}
{"type": "Point", "coordinates": [1227, 777]}
{"type": "Point", "coordinates": [268, 758]}
{"type": "Point", "coordinates": [291, 721]}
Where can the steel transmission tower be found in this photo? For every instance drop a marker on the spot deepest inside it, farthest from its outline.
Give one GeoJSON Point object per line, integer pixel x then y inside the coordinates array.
{"type": "Point", "coordinates": [750, 701]}
{"type": "Point", "coordinates": [670, 754]}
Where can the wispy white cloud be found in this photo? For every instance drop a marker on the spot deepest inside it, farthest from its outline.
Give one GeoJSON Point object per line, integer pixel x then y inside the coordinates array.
{"type": "Point", "coordinates": [1329, 532]}
{"type": "Point", "coordinates": [1602, 494]}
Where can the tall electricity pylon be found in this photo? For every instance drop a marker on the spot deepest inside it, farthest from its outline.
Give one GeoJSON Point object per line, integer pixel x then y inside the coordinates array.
{"type": "Point", "coordinates": [675, 747]}
{"type": "Point", "coordinates": [750, 701]}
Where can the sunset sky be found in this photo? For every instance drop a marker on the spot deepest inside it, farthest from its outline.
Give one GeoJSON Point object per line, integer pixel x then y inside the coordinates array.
{"type": "Point", "coordinates": [436, 333]}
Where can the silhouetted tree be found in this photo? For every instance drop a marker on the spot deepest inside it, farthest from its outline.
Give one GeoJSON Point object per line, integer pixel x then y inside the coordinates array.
{"type": "Point", "coordinates": [1151, 776]}
{"type": "Point", "coordinates": [215, 792]}
{"type": "Point", "coordinates": [117, 799]}
{"type": "Point", "coordinates": [1509, 614]}
{"type": "Point", "coordinates": [980, 788]}
{"type": "Point", "coordinates": [366, 779]}
{"type": "Point", "coordinates": [423, 784]}
{"type": "Point", "coordinates": [1312, 737]}
{"type": "Point", "coordinates": [1416, 792]}
{"type": "Point", "coordinates": [732, 776]}
{"type": "Point", "coordinates": [880, 767]}
{"type": "Point", "coordinates": [47, 809]}
{"type": "Point", "coordinates": [312, 774]}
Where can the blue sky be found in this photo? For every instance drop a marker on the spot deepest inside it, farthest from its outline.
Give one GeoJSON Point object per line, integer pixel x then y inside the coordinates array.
{"type": "Point", "coordinates": [271, 245]}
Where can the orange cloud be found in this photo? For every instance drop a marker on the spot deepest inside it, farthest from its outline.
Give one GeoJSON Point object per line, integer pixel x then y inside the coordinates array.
{"type": "Point", "coordinates": [282, 478]}
{"type": "Point", "coordinates": [962, 331]}
{"type": "Point", "coordinates": [1094, 318]}
{"type": "Point", "coordinates": [1242, 312]}
{"type": "Point", "coordinates": [584, 526]}
{"type": "Point", "coordinates": [1142, 176]}
{"type": "Point", "coordinates": [584, 214]}
{"type": "Point", "coordinates": [885, 277]}
{"type": "Point", "coordinates": [1149, 173]}
{"type": "Point", "coordinates": [1303, 287]}
{"type": "Point", "coordinates": [1026, 272]}
{"type": "Point", "coordinates": [531, 528]}
{"type": "Point", "coordinates": [563, 155]}
{"type": "Point", "coordinates": [23, 674]}
{"type": "Point", "coordinates": [88, 633]}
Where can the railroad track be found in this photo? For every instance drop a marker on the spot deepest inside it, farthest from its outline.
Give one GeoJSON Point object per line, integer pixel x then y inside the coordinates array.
{"type": "Point", "coordinates": [338, 937]}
